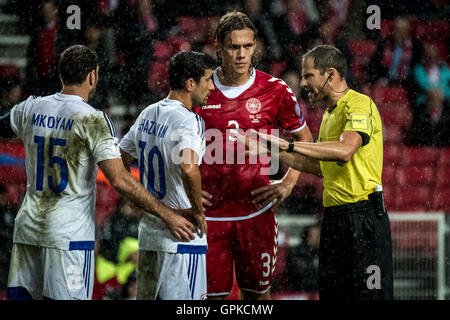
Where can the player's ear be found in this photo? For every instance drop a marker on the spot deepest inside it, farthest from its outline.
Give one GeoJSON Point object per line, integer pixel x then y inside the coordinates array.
{"type": "Point", "coordinates": [190, 84]}
{"type": "Point", "coordinates": [92, 77]}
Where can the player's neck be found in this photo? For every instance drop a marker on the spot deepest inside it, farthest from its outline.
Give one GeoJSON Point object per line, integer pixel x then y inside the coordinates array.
{"type": "Point", "coordinates": [183, 97]}
{"type": "Point", "coordinates": [336, 93]}
{"type": "Point", "coordinates": [76, 91]}
{"type": "Point", "coordinates": [233, 79]}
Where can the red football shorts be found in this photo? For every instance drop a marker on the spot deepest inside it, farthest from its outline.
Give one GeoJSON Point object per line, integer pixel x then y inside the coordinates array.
{"type": "Point", "coordinates": [251, 244]}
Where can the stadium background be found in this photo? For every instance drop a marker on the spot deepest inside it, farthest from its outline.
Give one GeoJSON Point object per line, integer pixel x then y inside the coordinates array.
{"type": "Point", "coordinates": [134, 40]}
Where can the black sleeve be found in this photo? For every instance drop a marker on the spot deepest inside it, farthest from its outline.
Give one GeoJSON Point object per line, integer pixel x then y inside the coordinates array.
{"type": "Point", "coordinates": [365, 138]}
{"type": "Point", "coordinates": [5, 126]}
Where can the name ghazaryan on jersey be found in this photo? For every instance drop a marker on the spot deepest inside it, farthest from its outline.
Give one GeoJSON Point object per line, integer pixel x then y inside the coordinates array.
{"type": "Point", "coordinates": [46, 121]}
{"type": "Point", "coordinates": [153, 128]}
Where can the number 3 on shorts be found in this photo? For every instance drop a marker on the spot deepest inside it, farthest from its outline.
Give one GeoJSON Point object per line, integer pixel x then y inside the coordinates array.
{"type": "Point", "coordinates": [265, 257]}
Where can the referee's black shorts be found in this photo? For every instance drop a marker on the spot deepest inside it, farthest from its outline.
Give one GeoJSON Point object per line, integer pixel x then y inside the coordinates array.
{"type": "Point", "coordinates": [355, 256]}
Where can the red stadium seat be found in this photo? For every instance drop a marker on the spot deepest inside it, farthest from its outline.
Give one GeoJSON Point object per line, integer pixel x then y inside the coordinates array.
{"type": "Point", "coordinates": [361, 52]}
{"type": "Point", "coordinates": [392, 155]}
{"type": "Point", "coordinates": [387, 26]}
{"type": "Point", "coordinates": [390, 95]}
{"type": "Point", "coordinates": [444, 156]}
{"type": "Point", "coordinates": [362, 49]}
{"type": "Point", "coordinates": [161, 50]}
{"type": "Point", "coordinates": [441, 199]}
{"type": "Point", "coordinates": [389, 175]}
{"type": "Point", "coordinates": [187, 24]}
{"type": "Point", "coordinates": [177, 44]}
{"type": "Point", "coordinates": [429, 31]}
{"type": "Point", "coordinates": [158, 78]}
{"type": "Point", "coordinates": [398, 117]}
{"type": "Point", "coordinates": [417, 156]}
{"type": "Point", "coordinates": [443, 176]}
{"type": "Point", "coordinates": [392, 135]}
{"type": "Point", "coordinates": [313, 118]}
{"type": "Point", "coordinates": [412, 198]}
{"type": "Point", "coordinates": [106, 202]}
{"type": "Point", "coordinates": [415, 176]}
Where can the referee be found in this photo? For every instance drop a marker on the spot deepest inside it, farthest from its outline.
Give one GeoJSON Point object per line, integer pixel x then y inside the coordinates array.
{"type": "Point", "coordinates": [355, 254]}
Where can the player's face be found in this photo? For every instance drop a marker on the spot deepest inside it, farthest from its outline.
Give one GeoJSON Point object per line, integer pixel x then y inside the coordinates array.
{"type": "Point", "coordinates": [202, 89]}
{"type": "Point", "coordinates": [237, 51]}
{"type": "Point", "coordinates": [312, 81]}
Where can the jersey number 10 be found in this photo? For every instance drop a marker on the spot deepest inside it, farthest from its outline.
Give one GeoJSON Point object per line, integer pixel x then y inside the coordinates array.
{"type": "Point", "coordinates": [53, 160]}
{"type": "Point", "coordinates": [154, 151]}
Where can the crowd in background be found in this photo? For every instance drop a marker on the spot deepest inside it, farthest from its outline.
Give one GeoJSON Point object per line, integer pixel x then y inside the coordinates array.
{"type": "Point", "coordinates": [135, 38]}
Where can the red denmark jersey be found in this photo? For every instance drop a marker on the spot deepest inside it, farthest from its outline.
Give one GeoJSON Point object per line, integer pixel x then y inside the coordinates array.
{"type": "Point", "coordinates": [267, 103]}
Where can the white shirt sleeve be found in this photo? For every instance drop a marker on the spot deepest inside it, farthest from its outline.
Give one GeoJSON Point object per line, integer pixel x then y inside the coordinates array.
{"type": "Point", "coordinates": [128, 142]}
{"type": "Point", "coordinates": [19, 114]}
{"type": "Point", "coordinates": [99, 133]}
{"type": "Point", "coordinates": [192, 135]}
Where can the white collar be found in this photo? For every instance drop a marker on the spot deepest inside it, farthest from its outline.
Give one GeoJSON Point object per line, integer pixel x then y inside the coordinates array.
{"type": "Point", "coordinates": [234, 92]}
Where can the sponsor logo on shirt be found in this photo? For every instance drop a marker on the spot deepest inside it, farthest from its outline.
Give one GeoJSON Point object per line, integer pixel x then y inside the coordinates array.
{"type": "Point", "coordinates": [212, 106]}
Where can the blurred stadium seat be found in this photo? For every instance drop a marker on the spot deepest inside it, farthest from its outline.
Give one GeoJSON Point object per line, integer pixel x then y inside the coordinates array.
{"type": "Point", "coordinates": [392, 135]}
{"type": "Point", "coordinates": [417, 156]}
{"type": "Point", "coordinates": [389, 175]}
{"type": "Point", "coordinates": [415, 176]}
{"type": "Point", "coordinates": [409, 198]}
{"type": "Point", "coordinates": [441, 199]}
{"type": "Point", "coordinates": [392, 155]}
{"type": "Point", "coordinates": [443, 176]}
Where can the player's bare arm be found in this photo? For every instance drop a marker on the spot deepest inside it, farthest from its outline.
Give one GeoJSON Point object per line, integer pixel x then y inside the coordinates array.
{"type": "Point", "coordinates": [132, 190]}
{"type": "Point", "coordinates": [278, 191]}
{"type": "Point", "coordinates": [127, 160]}
{"type": "Point", "coordinates": [192, 183]}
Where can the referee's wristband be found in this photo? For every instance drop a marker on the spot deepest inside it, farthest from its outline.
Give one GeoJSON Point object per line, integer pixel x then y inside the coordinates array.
{"type": "Point", "coordinates": [291, 145]}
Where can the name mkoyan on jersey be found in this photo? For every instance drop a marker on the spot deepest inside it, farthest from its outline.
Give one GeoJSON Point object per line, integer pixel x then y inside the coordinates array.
{"type": "Point", "coordinates": [57, 123]}
{"type": "Point", "coordinates": [153, 128]}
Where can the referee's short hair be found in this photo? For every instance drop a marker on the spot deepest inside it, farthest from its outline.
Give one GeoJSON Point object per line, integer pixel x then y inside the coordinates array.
{"type": "Point", "coordinates": [75, 63]}
{"type": "Point", "coordinates": [326, 57]}
{"type": "Point", "coordinates": [188, 64]}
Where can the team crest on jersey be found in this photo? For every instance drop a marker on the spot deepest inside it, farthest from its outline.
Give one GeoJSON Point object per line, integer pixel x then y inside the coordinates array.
{"type": "Point", "coordinates": [253, 105]}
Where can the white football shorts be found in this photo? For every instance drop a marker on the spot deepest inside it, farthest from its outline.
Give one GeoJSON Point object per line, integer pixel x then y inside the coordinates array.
{"type": "Point", "coordinates": [47, 273]}
{"type": "Point", "coordinates": [171, 276]}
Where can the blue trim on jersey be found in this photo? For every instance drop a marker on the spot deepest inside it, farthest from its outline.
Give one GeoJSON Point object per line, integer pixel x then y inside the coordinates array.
{"type": "Point", "coordinates": [187, 248]}
{"type": "Point", "coordinates": [110, 124]}
{"type": "Point", "coordinates": [88, 274]}
{"type": "Point", "coordinates": [47, 298]}
{"type": "Point", "coordinates": [194, 274]}
{"type": "Point", "coordinates": [82, 245]}
{"type": "Point", "coordinates": [18, 293]}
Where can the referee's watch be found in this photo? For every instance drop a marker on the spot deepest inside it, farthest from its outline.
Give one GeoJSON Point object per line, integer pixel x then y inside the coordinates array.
{"type": "Point", "coordinates": [291, 145]}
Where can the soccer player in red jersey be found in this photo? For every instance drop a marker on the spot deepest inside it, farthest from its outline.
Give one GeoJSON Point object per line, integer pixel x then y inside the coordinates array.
{"type": "Point", "coordinates": [239, 198]}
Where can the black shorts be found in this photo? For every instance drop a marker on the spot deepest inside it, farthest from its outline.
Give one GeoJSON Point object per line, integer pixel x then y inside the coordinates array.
{"type": "Point", "coordinates": [355, 256]}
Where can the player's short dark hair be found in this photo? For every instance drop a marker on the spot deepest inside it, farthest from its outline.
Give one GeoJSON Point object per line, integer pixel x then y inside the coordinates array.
{"type": "Point", "coordinates": [188, 64]}
{"type": "Point", "coordinates": [326, 57]}
{"type": "Point", "coordinates": [231, 21]}
{"type": "Point", "coordinates": [75, 63]}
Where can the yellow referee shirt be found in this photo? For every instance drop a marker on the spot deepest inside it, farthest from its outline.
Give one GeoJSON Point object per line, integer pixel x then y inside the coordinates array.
{"type": "Point", "coordinates": [352, 181]}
